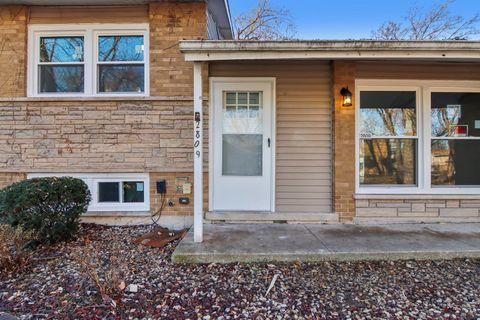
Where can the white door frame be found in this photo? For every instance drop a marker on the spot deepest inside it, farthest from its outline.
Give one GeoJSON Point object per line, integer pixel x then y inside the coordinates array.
{"type": "Point", "coordinates": [211, 129]}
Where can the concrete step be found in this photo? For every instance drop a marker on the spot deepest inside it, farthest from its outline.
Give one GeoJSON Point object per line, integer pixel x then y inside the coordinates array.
{"type": "Point", "coordinates": [263, 243]}
{"type": "Point", "coordinates": [244, 216]}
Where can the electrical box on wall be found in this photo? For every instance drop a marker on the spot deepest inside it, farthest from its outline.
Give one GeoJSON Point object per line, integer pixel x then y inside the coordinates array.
{"type": "Point", "coordinates": [184, 200]}
{"type": "Point", "coordinates": [161, 186]}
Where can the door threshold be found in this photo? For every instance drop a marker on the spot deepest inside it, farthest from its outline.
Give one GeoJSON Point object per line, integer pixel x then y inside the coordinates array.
{"type": "Point", "coordinates": [271, 216]}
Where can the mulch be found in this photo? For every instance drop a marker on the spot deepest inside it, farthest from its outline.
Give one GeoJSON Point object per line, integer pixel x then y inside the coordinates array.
{"type": "Point", "coordinates": [56, 288]}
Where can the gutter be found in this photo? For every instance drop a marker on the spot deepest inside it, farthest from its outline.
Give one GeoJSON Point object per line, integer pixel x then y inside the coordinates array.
{"type": "Point", "coordinates": [207, 50]}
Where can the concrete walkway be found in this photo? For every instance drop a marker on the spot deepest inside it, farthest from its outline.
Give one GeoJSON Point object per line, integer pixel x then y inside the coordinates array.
{"type": "Point", "coordinates": [225, 243]}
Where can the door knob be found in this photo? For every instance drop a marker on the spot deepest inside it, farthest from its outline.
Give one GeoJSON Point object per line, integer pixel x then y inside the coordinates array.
{"type": "Point", "coordinates": [268, 142]}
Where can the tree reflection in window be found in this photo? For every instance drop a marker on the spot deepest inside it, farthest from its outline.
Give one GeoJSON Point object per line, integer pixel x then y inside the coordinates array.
{"type": "Point", "coordinates": [388, 142]}
{"type": "Point", "coordinates": [61, 67]}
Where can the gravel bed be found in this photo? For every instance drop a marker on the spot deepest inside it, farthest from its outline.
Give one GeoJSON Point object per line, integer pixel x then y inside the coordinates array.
{"type": "Point", "coordinates": [56, 288]}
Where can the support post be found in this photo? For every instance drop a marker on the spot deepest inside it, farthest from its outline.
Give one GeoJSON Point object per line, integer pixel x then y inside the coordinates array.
{"type": "Point", "coordinates": [198, 153]}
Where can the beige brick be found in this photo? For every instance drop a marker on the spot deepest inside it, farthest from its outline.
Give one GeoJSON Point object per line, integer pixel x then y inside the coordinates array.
{"type": "Point", "coordinates": [418, 207]}
{"type": "Point", "coordinates": [394, 204]}
{"type": "Point", "coordinates": [436, 204]}
{"type": "Point", "coordinates": [453, 203]}
{"type": "Point", "coordinates": [362, 203]}
{"type": "Point", "coordinates": [459, 212]}
{"type": "Point", "coordinates": [470, 203]}
{"type": "Point", "coordinates": [376, 212]}
{"type": "Point", "coordinates": [418, 214]}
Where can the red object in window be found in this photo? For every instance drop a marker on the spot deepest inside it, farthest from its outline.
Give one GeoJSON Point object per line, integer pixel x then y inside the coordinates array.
{"type": "Point", "coordinates": [461, 131]}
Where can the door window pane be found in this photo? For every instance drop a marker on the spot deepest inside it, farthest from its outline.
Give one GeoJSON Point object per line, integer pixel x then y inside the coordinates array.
{"type": "Point", "coordinates": [455, 114]}
{"type": "Point", "coordinates": [388, 113]}
{"type": "Point", "coordinates": [61, 78]}
{"type": "Point", "coordinates": [108, 192]}
{"type": "Point", "coordinates": [242, 138]}
{"type": "Point", "coordinates": [121, 78]}
{"type": "Point", "coordinates": [242, 154]}
{"type": "Point", "coordinates": [388, 161]}
{"type": "Point", "coordinates": [61, 49]}
{"type": "Point", "coordinates": [120, 48]}
{"type": "Point", "coordinates": [133, 191]}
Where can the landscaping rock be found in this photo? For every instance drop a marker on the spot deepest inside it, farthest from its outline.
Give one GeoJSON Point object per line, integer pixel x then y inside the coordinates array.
{"type": "Point", "coordinates": [329, 290]}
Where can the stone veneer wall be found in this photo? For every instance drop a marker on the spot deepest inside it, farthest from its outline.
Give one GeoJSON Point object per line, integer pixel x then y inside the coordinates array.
{"type": "Point", "coordinates": [392, 208]}
{"type": "Point", "coordinates": [152, 134]}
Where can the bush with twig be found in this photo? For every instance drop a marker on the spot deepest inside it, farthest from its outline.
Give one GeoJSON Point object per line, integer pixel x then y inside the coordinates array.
{"type": "Point", "coordinates": [14, 252]}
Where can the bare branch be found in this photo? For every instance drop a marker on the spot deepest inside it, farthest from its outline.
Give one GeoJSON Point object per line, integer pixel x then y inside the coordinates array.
{"type": "Point", "coordinates": [437, 23]}
{"type": "Point", "coordinates": [265, 22]}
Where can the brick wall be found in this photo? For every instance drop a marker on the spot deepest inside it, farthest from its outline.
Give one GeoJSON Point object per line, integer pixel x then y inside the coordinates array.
{"type": "Point", "coordinates": [344, 142]}
{"type": "Point", "coordinates": [417, 209]}
{"type": "Point", "coordinates": [170, 74]}
{"type": "Point", "coordinates": [105, 135]}
{"type": "Point", "coordinates": [7, 178]}
{"type": "Point", "coordinates": [13, 44]}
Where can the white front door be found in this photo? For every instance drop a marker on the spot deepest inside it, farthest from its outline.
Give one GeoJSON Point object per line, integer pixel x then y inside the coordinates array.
{"type": "Point", "coordinates": [242, 145]}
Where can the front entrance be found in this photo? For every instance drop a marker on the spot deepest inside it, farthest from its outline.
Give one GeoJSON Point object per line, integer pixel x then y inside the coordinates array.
{"type": "Point", "coordinates": [242, 150]}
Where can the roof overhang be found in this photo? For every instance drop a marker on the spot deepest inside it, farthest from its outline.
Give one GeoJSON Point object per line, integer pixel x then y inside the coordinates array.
{"type": "Point", "coordinates": [218, 8]}
{"type": "Point", "coordinates": [208, 50]}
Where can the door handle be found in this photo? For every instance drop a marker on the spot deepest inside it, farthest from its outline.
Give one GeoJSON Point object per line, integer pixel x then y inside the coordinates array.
{"type": "Point", "coordinates": [268, 142]}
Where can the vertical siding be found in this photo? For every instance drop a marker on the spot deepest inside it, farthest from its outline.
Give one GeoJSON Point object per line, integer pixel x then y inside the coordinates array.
{"type": "Point", "coordinates": [303, 126]}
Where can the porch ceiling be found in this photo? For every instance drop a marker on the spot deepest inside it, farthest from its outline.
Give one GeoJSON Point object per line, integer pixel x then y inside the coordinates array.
{"type": "Point", "coordinates": [210, 50]}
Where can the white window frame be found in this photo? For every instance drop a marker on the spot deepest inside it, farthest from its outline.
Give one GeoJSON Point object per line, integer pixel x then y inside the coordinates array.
{"type": "Point", "coordinates": [90, 32]}
{"type": "Point", "coordinates": [424, 89]}
{"type": "Point", "coordinates": [92, 180]}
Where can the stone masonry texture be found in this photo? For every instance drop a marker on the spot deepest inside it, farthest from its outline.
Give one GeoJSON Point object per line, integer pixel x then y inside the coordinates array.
{"type": "Point", "coordinates": [105, 135]}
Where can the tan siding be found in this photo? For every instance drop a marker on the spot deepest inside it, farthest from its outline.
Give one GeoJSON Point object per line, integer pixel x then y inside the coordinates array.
{"type": "Point", "coordinates": [418, 70]}
{"type": "Point", "coordinates": [303, 168]}
{"type": "Point", "coordinates": [88, 14]}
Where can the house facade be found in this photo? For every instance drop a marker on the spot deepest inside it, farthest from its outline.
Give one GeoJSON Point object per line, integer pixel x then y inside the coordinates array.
{"type": "Point", "coordinates": [155, 97]}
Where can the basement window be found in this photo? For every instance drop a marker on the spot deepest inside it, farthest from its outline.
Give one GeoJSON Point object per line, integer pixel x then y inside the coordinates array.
{"type": "Point", "coordinates": [88, 60]}
{"type": "Point", "coordinates": [113, 191]}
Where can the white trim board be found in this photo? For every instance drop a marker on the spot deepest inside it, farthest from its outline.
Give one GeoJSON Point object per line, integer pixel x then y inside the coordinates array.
{"type": "Point", "coordinates": [424, 88]}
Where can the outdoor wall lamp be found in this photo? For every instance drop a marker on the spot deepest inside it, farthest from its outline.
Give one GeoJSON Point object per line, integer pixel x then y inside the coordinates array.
{"type": "Point", "coordinates": [347, 97]}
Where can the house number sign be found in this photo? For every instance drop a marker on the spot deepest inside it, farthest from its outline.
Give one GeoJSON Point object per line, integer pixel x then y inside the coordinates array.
{"type": "Point", "coordinates": [198, 136]}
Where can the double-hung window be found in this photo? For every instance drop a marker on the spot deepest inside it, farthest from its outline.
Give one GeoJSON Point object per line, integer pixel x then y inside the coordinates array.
{"type": "Point", "coordinates": [88, 60]}
{"type": "Point", "coordinates": [418, 137]}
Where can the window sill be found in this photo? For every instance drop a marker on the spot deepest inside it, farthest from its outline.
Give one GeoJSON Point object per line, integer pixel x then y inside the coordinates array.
{"type": "Point", "coordinates": [365, 196]}
{"type": "Point", "coordinates": [96, 98]}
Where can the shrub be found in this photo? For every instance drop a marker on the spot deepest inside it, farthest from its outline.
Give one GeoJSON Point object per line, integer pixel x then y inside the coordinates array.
{"type": "Point", "coordinates": [49, 207]}
{"type": "Point", "coordinates": [14, 254]}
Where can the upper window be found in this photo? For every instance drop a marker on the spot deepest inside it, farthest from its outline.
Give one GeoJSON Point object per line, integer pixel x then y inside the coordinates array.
{"type": "Point", "coordinates": [88, 60]}
{"type": "Point", "coordinates": [418, 135]}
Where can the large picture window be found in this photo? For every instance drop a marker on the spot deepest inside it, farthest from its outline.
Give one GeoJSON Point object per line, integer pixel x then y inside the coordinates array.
{"type": "Point", "coordinates": [455, 141]}
{"type": "Point", "coordinates": [88, 60]}
{"type": "Point", "coordinates": [418, 137]}
{"type": "Point", "coordinates": [388, 138]}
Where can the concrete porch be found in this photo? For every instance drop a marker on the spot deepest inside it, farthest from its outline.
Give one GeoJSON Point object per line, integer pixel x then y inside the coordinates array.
{"type": "Point", "coordinates": [224, 243]}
